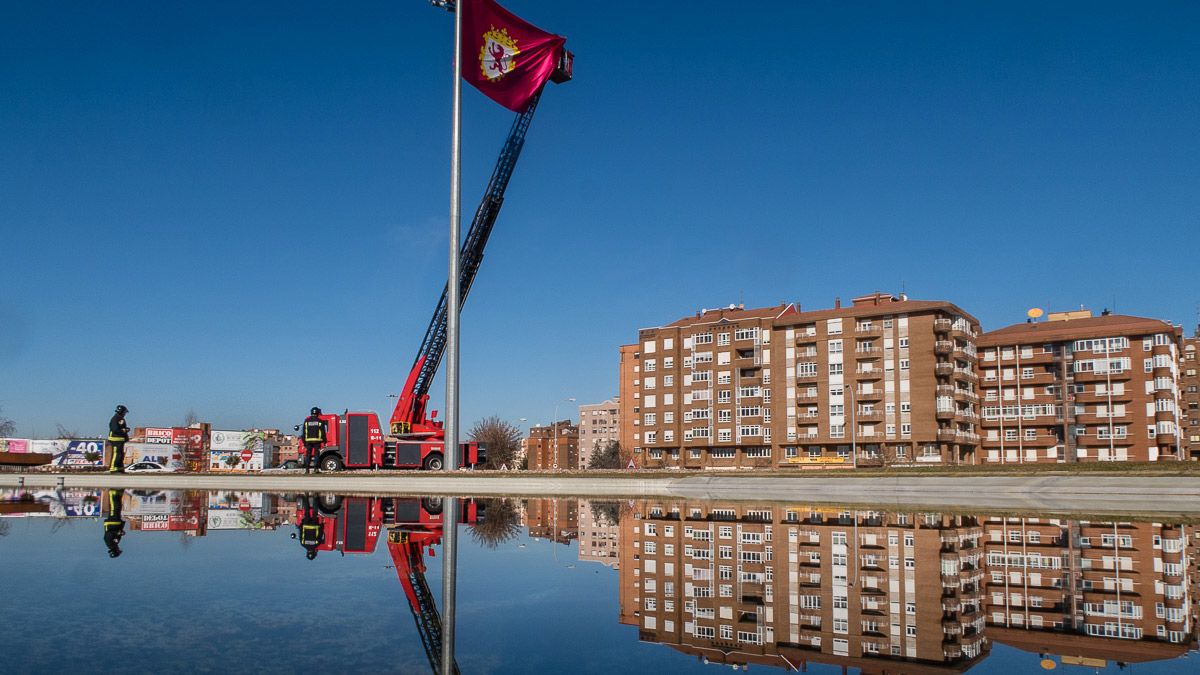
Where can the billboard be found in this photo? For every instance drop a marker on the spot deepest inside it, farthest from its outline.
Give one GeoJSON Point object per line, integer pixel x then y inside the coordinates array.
{"type": "Point", "coordinates": [219, 460]}
{"type": "Point", "coordinates": [229, 441]}
{"type": "Point", "coordinates": [14, 445]}
{"type": "Point", "coordinates": [235, 500]}
{"type": "Point", "coordinates": [152, 502]}
{"type": "Point", "coordinates": [170, 456]}
{"type": "Point", "coordinates": [234, 520]}
{"type": "Point", "coordinates": [77, 452]}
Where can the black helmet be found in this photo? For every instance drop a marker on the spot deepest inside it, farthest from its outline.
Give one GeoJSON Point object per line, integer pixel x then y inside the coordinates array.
{"type": "Point", "coordinates": [121, 410]}
{"type": "Point", "coordinates": [114, 552]}
{"type": "Point", "coordinates": [311, 555]}
{"type": "Point", "coordinates": [315, 410]}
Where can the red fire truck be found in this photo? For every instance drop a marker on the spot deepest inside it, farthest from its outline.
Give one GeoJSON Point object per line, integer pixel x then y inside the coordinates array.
{"type": "Point", "coordinates": [415, 440]}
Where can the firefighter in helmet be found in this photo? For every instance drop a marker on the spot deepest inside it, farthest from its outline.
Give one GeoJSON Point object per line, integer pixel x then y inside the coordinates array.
{"type": "Point", "coordinates": [114, 524]}
{"type": "Point", "coordinates": [118, 434]}
{"type": "Point", "coordinates": [313, 433]}
{"type": "Point", "coordinates": [308, 527]}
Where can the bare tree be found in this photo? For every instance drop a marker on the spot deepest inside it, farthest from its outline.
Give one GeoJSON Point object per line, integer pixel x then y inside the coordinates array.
{"type": "Point", "coordinates": [501, 522]}
{"type": "Point", "coordinates": [7, 426]}
{"type": "Point", "coordinates": [503, 441]}
{"type": "Point", "coordinates": [190, 418]}
{"type": "Point", "coordinates": [64, 433]}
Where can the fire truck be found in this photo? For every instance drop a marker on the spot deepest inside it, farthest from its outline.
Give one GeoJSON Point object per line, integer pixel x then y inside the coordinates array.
{"type": "Point", "coordinates": [416, 439]}
{"type": "Point", "coordinates": [413, 526]}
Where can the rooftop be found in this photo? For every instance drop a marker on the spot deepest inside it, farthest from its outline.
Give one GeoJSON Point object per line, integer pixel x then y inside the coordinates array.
{"type": "Point", "coordinates": [1109, 325]}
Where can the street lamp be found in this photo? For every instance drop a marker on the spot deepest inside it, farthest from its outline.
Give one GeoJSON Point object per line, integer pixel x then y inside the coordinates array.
{"type": "Point", "coordinates": [555, 431]}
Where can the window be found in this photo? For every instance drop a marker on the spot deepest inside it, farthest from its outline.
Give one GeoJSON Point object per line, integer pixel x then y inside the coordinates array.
{"type": "Point", "coordinates": [903, 343]}
{"type": "Point", "coordinates": [702, 338]}
{"type": "Point", "coordinates": [904, 364]}
{"type": "Point", "coordinates": [835, 369]}
{"type": "Point", "coordinates": [723, 339]}
{"type": "Point", "coordinates": [723, 396]}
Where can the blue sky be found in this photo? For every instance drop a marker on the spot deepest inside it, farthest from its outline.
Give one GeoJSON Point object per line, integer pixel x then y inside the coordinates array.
{"type": "Point", "coordinates": [240, 209]}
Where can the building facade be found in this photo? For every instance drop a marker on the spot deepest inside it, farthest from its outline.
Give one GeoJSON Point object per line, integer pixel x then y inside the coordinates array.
{"type": "Point", "coordinates": [599, 425]}
{"type": "Point", "coordinates": [599, 533]}
{"type": "Point", "coordinates": [554, 447]}
{"type": "Point", "coordinates": [1189, 384]}
{"type": "Point", "coordinates": [629, 386]}
{"type": "Point", "coordinates": [786, 586]}
{"type": "Point", "coordinates": [886, 380]}
{"type": "Point", "coordinates": [1081, 388]}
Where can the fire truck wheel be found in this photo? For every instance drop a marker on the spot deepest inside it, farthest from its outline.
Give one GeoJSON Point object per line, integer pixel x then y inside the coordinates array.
{"type": "Point", "coordinates": [331, 463]}
{"type": "Point", "coordinates": [432, 505]}
{"type": "Point", "coordinates": [433, 462]}
{"type": "Point", "coordinates": [329, 504]}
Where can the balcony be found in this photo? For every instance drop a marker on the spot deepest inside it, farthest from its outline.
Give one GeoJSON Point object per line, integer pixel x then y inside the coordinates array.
{"type": "Point", "coordinates": [944, 413]}
{"type": "Point", "coordinates": [966, 374]}
{"type": "Point", "coordinates": [868, 394]}
{"type": "Point", "coordinates": [869, 373]}
{"type": "Point", "coordinates": [869, 416]}
{"type": "Point", "coordinates": [966, 395]}
{"type": "Point", "coordinates": [943, 368]}
{"type": "Point", "coordinates": [943, 347]}
{"type": "Point", "coordinates": [867, 349]}
{"type": "Point", "coordinates": [872, 329]}
{"type": "Point", "coordinates": [806, 377]}
{"type": "Point", "coordinates": [945, 390]}
{"type": "Point", "coordinates": [947, 435]}
{"type": "Point", "coordinates": [942, 325]}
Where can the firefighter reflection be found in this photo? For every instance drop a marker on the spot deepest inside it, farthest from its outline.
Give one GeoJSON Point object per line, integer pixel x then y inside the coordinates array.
{"type": "Point", "coordinates": [308, 526]}
{"type": "Point", "coordinates": [114, 525]}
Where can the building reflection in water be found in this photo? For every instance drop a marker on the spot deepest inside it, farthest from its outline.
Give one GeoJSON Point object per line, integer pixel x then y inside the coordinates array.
{"type": "Point", "coordinates": [787, 586]}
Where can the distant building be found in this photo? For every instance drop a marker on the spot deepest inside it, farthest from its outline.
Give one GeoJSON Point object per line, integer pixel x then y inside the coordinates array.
{"type": "Point", "coordinates": [628, 401]}
{"type": "Point", "coordinates": [1081, 388]}
{"type": "Point", "coordinates": [553, 519]}
{"type": "Point", "coordinates": [553, 447]}
{"type": "Point", "coordinates": [599, 425]}
{"type": "Point", "coordinates": [599, 540]}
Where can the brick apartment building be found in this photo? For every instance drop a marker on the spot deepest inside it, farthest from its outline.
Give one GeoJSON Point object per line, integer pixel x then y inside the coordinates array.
{"type": "Point", "coordinates": [786, 586]}
{"type": "Point", "coordinates": [629, 386]}
{"type": "Point", "coordinates": [1081, 388]}
{"type": "Point", "coordinates": [598, 426]}
{"type": "Point", "coordinates": [886, 380]}
{"type": "Point", "coordinates": [554, 519]}
{"type": "Point", "coordinates": [553, 447]}
{"type": "Point", "coordinates": [1092, 590]}
{"type": "Point", "coordinates": [1189, 385]}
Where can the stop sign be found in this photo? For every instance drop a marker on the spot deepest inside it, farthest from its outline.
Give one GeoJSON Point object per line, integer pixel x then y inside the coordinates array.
{"type": "Point", "coordinates": [247, 455]}
{"type": "Point", "coordinates": [244, 504]}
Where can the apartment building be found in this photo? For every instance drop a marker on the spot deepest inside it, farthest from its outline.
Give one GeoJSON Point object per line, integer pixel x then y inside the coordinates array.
{"type": "Point", "coordinates": [553, 447]}
{"type": "Point", "coordinates": [599, 536]}
{"type": "Point", "coordinates": [1079, 387]}
{"type": "Point", "coordinates": [629, 385]}
{"type": "Point", "coordinates": [599, 425]}
{"type": "Point", "coordinates": [1189, 384]}
{"type": "Point", "coordinates": [786, 586]}
{"type": "Point", "coordinates": [886, 380]}
{"type": "Point", "coordinates": [1089, 590]}
{"type": "Point", "coordinates": [556, 520]}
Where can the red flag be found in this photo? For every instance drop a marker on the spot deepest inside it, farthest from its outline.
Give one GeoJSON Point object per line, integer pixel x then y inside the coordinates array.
{"type": "Point", "coordinates": [505, 57]}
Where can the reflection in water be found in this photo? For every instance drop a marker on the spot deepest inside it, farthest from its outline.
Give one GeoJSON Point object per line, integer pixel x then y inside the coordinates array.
{"type": "Point", "coordinates": [787, 586]}
{"type": "Point", "coordinates": [777, 585]}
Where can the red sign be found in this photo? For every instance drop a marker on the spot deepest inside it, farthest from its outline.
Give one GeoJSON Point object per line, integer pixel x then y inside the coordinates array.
{"type": "Point", "coordinates": [244, 505]}
{"type": "Point", "coordinates": [247, 455]}
{"type": "Point", "coordinates": [158, 435]}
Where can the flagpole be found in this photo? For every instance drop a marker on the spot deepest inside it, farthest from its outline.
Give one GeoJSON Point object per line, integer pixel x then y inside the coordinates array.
{"type": "Point", "coordinates": [450, 446]}
{"type": "Point", "coordinates": [453, 300]}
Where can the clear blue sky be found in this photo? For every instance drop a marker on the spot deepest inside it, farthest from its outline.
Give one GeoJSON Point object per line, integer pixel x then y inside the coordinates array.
{"type": "Point", "coordinates": [182, 182]}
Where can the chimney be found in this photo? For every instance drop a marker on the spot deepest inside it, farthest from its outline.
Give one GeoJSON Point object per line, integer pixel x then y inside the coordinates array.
{"type": "Point", "coordinates": [837, 303]}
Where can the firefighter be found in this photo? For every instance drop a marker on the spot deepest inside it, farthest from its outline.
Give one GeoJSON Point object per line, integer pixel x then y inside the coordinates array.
{"type": "Point", "coordinates": [118, 434]}
{"type": "Point", "coordinates": [114, 525]}
{"type": "Point", "coordinates": [313, 433]}
{"type": "Point", "coordinates": [308, 526]}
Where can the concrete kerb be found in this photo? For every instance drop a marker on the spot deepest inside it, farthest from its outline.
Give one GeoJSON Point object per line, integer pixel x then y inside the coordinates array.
{"type": "Point", "coordinates": [1091, 494]}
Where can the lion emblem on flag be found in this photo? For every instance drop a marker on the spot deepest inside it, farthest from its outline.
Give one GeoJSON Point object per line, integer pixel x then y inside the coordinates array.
{"type": "Point", "coordinates": [497, 57]}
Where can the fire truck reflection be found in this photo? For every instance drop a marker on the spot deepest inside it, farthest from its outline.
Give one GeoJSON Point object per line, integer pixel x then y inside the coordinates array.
{"type": "Point", "coordinates": [414, 526]}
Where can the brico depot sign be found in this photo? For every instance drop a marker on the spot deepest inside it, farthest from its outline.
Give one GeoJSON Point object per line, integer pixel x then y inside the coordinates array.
{"type": "Point", "coordinates": [161, 522]}
{"type": "Point", "coordinates": [160, 435]}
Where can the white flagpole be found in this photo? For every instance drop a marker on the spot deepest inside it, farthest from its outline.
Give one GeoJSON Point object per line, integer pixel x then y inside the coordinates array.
{"type": "Point", "coordinates": [450, 451]}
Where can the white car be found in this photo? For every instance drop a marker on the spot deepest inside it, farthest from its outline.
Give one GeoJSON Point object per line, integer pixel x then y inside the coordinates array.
{"type": "Point", "coordinates": [146, 467]}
